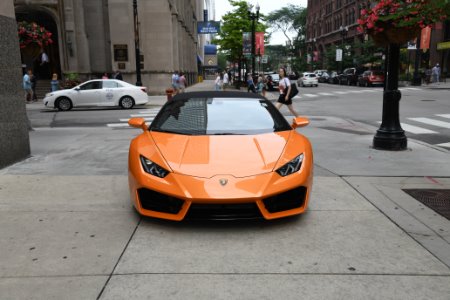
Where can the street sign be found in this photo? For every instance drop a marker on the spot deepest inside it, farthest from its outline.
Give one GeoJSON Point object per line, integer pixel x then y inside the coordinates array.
{"type": "Point", "coordinates": [208, 27]}
{"type": "Point", "coordinates": [338, 54]}
{"type": "Point", "coordinates": [264, 59]}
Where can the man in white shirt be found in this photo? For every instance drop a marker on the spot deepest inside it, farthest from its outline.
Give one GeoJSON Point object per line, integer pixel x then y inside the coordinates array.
{"type": "Point", "coordinates": [225, 80]}
{"type": "Point", "coordinates": [44, 66]}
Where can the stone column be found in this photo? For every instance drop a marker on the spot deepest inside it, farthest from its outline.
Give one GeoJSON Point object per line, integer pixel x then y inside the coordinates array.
{"type": "Point", "coordinates": [14, 139]}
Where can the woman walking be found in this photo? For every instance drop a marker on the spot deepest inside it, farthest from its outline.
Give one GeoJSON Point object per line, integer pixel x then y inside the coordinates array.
{"type": "Point", "coordinates": [285, 92]}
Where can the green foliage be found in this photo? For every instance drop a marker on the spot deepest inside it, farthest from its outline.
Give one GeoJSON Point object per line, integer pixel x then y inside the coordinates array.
{"type": "Point", "coordinates": [288, 19]}
{"type": "Point", "coordinates": [234, 24]}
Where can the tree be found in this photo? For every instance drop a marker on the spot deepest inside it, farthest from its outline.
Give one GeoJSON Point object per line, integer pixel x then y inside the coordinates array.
{"type": "Point", "coordinates": [234, 24]}
{"type": "Point", "coordinates": [291, 18]}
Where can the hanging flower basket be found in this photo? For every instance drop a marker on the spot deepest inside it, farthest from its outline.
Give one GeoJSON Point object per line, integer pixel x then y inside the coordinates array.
{"type": "Point", "coordinates": [398, 21]}
{"type": "Point", "coordinates": [33, 33]}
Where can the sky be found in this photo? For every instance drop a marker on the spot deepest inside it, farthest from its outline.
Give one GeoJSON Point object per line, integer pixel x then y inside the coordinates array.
{"type": "Point", "coordinates": [266, 6]}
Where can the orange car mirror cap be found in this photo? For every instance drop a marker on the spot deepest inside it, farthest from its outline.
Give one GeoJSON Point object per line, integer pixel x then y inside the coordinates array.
{"type": "Point", "coordinates": [138, 123]}
{"type": "Point", "coordinates": [300, 122]}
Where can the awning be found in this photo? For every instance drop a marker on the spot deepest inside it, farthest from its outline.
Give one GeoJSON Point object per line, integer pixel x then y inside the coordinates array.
{"type": "Point", "coordinates": [199, 59]}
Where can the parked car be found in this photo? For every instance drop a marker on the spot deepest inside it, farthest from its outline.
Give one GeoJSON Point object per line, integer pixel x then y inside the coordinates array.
{"type": "Point", "coordinates": [185, 164]}
{"type": "Point", "coordinates": [294, 75]}
{"type": "Point", "coordinates": [323, 77]}
{"type": "Point", "coordinates": [272, 81]}
{"type": "Point", "coordinates": [333, 77]}
{"type": "Point", "coordinates": [98, 92]}
{"type": "Point", "coordinates": [308, 79]}
{"type": "Point", "coordinates": [371, 77]}
{"type": "Point", "coordinates": [349, 76]}
{"type": "Point", "coordinates": [319, 72]}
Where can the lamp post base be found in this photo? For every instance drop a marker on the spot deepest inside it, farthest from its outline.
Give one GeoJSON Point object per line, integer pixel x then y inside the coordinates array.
{"type": "Point", "coordinates": [390, 140]}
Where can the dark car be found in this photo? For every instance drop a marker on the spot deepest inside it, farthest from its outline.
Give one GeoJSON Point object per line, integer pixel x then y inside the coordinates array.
{"type": "Point", "coordinates": [272, 81]}
{"type": "Point", "coordinates": [349, 76]}
{"type": "Point", "coordinates": [333, 77]}
{"type": "Point", "coordinates": [371, 77]}
{"type": "Point", "coordinates": [323, 77]}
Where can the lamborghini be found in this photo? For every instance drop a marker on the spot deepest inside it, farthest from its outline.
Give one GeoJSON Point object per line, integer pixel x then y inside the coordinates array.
{"type": "Point", "coordinates": [220, 155]}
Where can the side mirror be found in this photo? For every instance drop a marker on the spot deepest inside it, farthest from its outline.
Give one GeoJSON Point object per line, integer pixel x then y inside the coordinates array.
{"type": "Point", "coordinates": [300, 122]}
{"type": "Point", "coordinates": [138, 123]}
{"type": "Point", "coordinates": [77, 89]}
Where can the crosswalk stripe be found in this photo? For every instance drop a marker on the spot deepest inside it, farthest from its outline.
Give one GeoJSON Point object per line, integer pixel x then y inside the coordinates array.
{"type": "Point", "coordinates": [325, 94]}
{"type": "Point", "coordinates": [117, 125]}
{"type": "Point", "coordinates": [433, 122]}
{"type": "Point", "coordinates": [145, 119]}
{"type": "Point", "coordinates": [143, 115]}
{"type": "Point", "coordinates": [310, 95]}
{"type": "Point", "coordinates": [150, 110]}
{"type": "Point", "coordinates": [414, 129]}
{"type": "Point", "coordinates": [444, 116]}
{"type": "Point", "coordinates": [341, 93]}
{"type": "Point", "coordinates": [447, 145]}
{"type": "Point", "coordinates": [357, 92]}
{"type": "Point", "coordinates": [410, 88]}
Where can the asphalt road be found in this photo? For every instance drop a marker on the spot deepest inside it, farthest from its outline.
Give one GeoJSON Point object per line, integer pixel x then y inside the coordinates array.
{"type": "Point", "coordinates": [424, 111]}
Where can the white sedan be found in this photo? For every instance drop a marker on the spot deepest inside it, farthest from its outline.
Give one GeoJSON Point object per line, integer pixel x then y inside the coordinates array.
{"type": "Point", "coordinates": [309, 79]}
{"type": "Point", "coordinates": [98, 92]}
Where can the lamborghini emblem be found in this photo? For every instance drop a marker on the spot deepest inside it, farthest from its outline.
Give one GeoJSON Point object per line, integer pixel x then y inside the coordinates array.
{"type": "Point", "coordinates": [223, 182]}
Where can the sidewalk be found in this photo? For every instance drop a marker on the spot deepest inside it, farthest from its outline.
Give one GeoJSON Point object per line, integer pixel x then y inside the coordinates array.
{"type": "Point", "coordinates": [68, 231]}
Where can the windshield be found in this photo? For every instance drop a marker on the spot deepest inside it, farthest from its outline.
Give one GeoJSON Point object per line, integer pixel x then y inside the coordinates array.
{"type": "Point", "coordinates": [219, 116]}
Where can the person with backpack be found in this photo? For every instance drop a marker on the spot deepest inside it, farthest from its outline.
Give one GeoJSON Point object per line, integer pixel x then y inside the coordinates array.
{"type": "Point", "coordinates": [287, 92]}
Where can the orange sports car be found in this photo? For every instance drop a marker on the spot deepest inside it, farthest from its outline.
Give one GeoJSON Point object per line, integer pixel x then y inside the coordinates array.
{"type": "Point", "coordinates": [220, 155]}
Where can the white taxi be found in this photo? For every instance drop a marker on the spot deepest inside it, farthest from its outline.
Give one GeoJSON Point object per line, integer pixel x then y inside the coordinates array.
{"type": "Point", "coordinates": [98, 92]}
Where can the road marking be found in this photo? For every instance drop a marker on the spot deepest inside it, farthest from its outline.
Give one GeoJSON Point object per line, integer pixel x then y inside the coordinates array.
{"type": "Point", "coordinates": [310, 95]}
{"type": "Point", "coordinates": [149, 110]}
{"type": "Point", "coordinates": [356, 92]}
{"type": "Point", "coordinates": [118, 125]}
{"type": "Point", "coordinates": [326, 94]}
{"type": "Point", "coordinates": [143, 115]}
{"type": "Point", "coordinates": [409, 88]}
{"type": "Point", "coordinates": [415, 129]}
{"type": "Point", "coordinates": [444, 116]}
{"type": "Point", "coordinates": [446, 145]}
{"type": "Point", "coordinates": [433, 122]}
{"type": "Point", "coordinates": [145, 119]}
{"type": "Point", "coordinates": [341, 93]}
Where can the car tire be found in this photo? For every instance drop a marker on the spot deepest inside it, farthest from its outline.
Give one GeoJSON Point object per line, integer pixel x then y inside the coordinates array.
{"type": "Point", "coordinates": [349, 83]}
{"type": "Point", "coordinates": [126, 102]}
{"type": "Point", "coordinates": [64, 104]}
{"type": "Point", "coordinates": [367, 84]}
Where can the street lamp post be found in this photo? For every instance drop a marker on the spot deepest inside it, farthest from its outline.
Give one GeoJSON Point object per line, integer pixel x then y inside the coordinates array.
{"type": "Point", "coordinates": [313, 56]}
{"type": "Point", "coordinates": [390, 135]}
{"type": "Point", "coordinates": [136, 44]}
{"type": "Point", "coordinates": [344, 31]}
{"type": "Point", "coordinates": [254, 17]}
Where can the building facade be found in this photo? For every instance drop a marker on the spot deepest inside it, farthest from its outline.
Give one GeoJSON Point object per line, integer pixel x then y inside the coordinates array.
{"type": "Point", "coordinates": [14, 140]}
{"type": "Point", "coordinates": [334, 22]}
{"type": "Point", "coordinates": [94, 37]}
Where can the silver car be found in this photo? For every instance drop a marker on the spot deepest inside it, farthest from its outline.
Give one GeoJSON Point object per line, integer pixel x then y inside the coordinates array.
{"type": "Point", "coordinates": [308, 79]}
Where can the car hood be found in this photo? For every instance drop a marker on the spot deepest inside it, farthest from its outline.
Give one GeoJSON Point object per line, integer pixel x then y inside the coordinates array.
{"type": "Point", "coordinates": [207, 156]}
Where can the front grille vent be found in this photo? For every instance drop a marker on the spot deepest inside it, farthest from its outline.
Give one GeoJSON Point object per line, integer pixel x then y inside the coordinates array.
{"type": "Point", "coordinates": [151, 200]}
{"type": "Point", "coordinates": [288, 200]}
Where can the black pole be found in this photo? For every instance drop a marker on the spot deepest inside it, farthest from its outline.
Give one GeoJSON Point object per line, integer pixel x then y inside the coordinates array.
{"type": "Point", "coordinates": [253, 44]}
{"type": "Point", "coordinates": [136, 44]}
{"type": "Point", "coordinates": [417, 79]}
{"type": "Point", "coordinates": [390, 135]}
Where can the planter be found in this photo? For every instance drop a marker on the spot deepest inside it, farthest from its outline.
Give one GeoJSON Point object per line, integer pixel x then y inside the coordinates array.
{"type": "Point", "coordinates": [398, 36]}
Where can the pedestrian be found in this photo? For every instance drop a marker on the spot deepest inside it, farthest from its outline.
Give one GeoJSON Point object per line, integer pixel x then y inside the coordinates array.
{"type": "Point", "coordinates": [260, 85]}
{"type": "Point", "coordinates": [175, 82]}
{"type": "Point", "coordinates": [436, 72]}
{"type": "Point", "coordinates": [285, 88]}
{"type": "Point", "coordinates": [217, 82]}
{"type": "Point", "coordinates": [250, 84]}
{"type": "Point", "coordinates": [117, 75]}
{"type": "Point", "coordinates": [44, 65]}
{"type": "Point", "coordinates": [226, 80]}
{"type": "Point", "coordinates": [55, 82]}
{"type": "Point", "coordinates": [105, 76]}
{"type": "Point", "coordinates": [33, 80]}
{"type": "Point", "coordinates": [26, 81]}
{"type": "Point", "coordinates": [182, 82]}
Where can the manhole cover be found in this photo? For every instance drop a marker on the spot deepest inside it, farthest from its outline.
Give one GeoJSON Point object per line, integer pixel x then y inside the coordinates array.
{"type": "Point", "coordinates": [437, 200]}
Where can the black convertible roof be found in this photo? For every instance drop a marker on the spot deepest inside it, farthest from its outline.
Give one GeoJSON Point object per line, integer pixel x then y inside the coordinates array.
{"type": "Point", "coordinates": [217, 94]}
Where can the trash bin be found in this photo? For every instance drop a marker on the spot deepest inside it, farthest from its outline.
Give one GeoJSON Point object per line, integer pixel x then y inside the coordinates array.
{"type": "Point", "coordinates": [169, 94]}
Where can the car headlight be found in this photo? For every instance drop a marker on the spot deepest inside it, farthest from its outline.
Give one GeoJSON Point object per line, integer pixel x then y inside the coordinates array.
{"type": "Point", "coordinates": [152, 168]}
{"type": "Point", "coordinates": [291, 167]}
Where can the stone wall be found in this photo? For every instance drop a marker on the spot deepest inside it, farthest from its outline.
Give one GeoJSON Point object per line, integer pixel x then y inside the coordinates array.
{"type": "Point", "coordinates": [14, 139]}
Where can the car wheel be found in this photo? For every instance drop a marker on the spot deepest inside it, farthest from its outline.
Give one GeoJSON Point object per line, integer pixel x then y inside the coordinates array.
{"type": "Point", "coordinates": [367, 84]}
{"type": "Point", "coordinates": [126, 102]}
{"type": "Point", "coordinates": [349, 83]}
{"type": "Point", "coordinates": [64, 104]}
